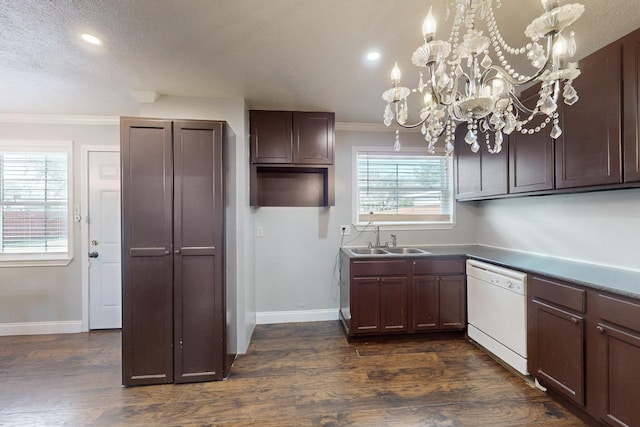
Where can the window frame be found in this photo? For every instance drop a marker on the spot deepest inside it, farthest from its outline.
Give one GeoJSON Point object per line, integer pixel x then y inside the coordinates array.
{"type": "Point", "coordinates": [44, 259]}
{"type": "Point", "coordinates": [399, 225]}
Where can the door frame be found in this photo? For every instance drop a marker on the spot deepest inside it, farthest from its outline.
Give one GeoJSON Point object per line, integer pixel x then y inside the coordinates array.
{"type": "Point", "coordinates": [84, 225]}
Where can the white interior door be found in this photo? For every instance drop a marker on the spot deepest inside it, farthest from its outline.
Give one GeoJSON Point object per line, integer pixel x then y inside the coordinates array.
{"type": "Point", "coordinates": [105, 308]}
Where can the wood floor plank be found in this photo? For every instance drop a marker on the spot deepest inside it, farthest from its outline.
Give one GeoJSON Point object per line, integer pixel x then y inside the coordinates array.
{"type": "Point", "coordinates": [304, 374]}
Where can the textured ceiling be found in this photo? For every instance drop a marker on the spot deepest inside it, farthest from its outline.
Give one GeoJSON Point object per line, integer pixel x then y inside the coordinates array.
{"type": "Point", "coordinates": [277, 54]}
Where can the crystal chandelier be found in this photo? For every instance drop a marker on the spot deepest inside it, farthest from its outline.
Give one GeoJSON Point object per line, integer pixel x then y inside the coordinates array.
{"type": "Point", "coordinates": [460, 83]}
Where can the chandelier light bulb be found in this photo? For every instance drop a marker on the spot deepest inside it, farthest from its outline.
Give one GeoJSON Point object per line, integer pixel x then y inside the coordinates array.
{"type": "Point", "coordinates": [550, 4]}
{"type": "Point", "coordinates": [395, 74]}
{"type": "Point", "coordinates": [428, 99]}
{"type": "Point", "coordinates": [560, 47]}
{"type": "Point", "coordinates": [429, 26]}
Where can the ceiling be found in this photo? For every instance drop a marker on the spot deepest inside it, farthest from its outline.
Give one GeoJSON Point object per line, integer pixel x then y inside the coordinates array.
{"type": "Point", "coordinates": [277, 54]}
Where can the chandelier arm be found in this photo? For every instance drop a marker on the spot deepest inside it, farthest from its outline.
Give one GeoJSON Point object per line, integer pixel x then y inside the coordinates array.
{"type": "Point", "coordinates": [520, 106]}
{"type": "Point", "coordinates": [404, 125]}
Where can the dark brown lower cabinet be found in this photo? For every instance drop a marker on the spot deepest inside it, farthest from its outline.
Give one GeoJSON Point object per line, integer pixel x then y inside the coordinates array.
{"type": "Point", "coordinates": [585, 345]}
{"type": "Point", "coordinates": [556, 336]}
{"type": "Point", "coordinates": [173, 251]}
{"type": "Point", "coordinates": [400, 295]}
{"type": "Point", "coordinates": [379, 304]}
{"type": "Point", "coordinates": [617, 361]}
{"type": "Point", "coordinates": [439, 302]}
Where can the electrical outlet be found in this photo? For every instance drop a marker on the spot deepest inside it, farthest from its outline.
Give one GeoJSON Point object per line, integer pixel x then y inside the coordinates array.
{"type": "Point", "coordinates": [259, 232]}
{"type": "Point", "coordinates": [345, 230]}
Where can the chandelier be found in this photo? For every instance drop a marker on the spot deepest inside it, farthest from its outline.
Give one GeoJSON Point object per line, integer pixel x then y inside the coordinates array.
{"type": "Point", "coordinates": [459, 81]}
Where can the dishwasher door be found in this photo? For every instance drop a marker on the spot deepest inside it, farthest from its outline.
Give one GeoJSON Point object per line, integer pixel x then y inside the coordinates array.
{"type": "Point", "coordinates": [496, 305]}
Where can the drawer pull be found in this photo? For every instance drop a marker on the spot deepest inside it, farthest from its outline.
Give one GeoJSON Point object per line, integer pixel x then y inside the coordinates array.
{"type": "Point", "coordinates": [599, 329]}
{"type": "Point", "coordinates": [574, 320]}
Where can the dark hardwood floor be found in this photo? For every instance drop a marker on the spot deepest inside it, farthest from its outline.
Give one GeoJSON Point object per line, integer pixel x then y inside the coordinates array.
{"type": "Point", "coordinates": [303, 374]}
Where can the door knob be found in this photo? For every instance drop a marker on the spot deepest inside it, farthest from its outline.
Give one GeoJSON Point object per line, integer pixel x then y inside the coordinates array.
{"type": "Point", "coordinates": [93, 254]}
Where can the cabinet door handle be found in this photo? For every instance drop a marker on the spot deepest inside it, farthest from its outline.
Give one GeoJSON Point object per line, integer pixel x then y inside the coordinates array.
{"type": "Point", "coordinates": [599, 329]}
{"type": "Point", "coordinates": [574, 320]}
{"type": "Point", "coordinates": [167, 252]}
{"type": "Point", "coordinates": [177, 252]}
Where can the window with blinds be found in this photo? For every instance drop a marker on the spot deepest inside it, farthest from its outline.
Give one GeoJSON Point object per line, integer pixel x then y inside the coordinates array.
{"type": "Point", "coordinates": [34, 200]}
{"type": "Point", "coordinates": [403, 188]}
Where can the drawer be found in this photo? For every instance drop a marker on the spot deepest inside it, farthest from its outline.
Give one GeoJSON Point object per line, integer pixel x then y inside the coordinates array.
{"type": "Point", "coordinates": [621, 312]}
{"type": "Point", "coordinates": [558, 293]}
{"type": "Point", "coordinates": [439, 266]}
{"type": "Point", "coordinates": [379, 268]}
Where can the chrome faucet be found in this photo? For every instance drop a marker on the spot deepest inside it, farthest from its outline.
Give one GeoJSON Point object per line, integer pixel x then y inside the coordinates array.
{"type": "Point", "coordinates": [394, 240]}
{"type": "Point", "coordinates": [377, 241]}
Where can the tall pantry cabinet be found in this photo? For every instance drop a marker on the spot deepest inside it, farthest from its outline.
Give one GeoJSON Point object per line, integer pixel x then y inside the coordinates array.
{"type": "Point", "coordinates": [173, 283]}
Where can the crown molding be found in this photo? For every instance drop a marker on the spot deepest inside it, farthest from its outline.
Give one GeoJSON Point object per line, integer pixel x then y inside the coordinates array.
{"type": "Point", "coordinates": [368, 127]}
{"type": "Point", "coordinates": [59, 119]}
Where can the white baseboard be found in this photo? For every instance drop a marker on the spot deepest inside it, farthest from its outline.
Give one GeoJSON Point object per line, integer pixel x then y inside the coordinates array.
{"type": "Point", "coordinates": [268, 317]}
{"type": "Point", "coordinates": [41, 328]}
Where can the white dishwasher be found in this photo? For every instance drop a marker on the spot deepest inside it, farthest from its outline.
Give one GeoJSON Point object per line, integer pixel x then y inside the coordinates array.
{"type": "Point", "coordinates": [497, 312]}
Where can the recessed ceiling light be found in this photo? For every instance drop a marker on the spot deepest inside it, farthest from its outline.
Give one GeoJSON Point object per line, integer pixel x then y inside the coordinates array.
{"type": "Point", "coordinates": [91, 39]}
{"type": "Point", "coordinates": [374, 55]}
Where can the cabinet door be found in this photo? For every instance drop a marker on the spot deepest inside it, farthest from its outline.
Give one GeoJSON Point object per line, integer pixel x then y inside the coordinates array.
{"type": "Point", "coordinates": [617, 367]}
{"type": "Point", "coordinates": [270, 136]}
{"type": "Point", "coordinates": [365, 302]}
{"type": "Point", "coordinates": [426, 307]}
{"type": "Point", "coordinates": [631, 106]}
{"type": "Point", "coordinates": [393, 304]}
{"type": "Point", "coordinates": [531, 156]}
{"type": "Point", "coordinates": [452, 302]}
{"type": "Point", "coordinates": [198, 251]}
{"type": "Point", "coordinates": [313, 138]}
{"type": "Point", "coordinates": [588, 151]}
{"type": "Point", "coordinates": [557, 353]}
{"type": "Point", "coordinates": [147, 276]}
{"type": "Point", "coordinates": [481, 174]}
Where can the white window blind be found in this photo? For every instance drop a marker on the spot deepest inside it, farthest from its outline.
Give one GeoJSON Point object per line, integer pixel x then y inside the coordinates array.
{"type": "Point", "coordinates": [403, 187]}
{"type": "Point", "coordinates": [34, 200]}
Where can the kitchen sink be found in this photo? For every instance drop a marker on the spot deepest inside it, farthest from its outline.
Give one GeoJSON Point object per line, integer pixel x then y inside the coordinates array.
{"type": "Point", "coordinates": [368, 251]}
{"type": "Point", "coordinates": [405, 251]}
{"type": "Point", "coordinates": [387, 251]}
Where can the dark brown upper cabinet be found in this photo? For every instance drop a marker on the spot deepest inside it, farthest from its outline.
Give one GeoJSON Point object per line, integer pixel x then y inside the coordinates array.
{"type": "Point", "coordinates": [531, 156]}
{"type": "Point", "coordinates": [284, 137]}
{"type": "Point", "coordinates": [588, 152]}
{"type": "Point", "coordinates": [479, 175]}
{"type": "Point", "coordinates": [292, 158]}
{"type": "Point", "coordinates": [631, 105]}
{"type": "Point", "coordinates": [271, 137]}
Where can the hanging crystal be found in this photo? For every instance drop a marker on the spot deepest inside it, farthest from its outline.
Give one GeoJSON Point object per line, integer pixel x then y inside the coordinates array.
{"type": "Point", "coordinates": [570, 95]}
{"type": "Point", "coordinates": [388, 115]}
{"type": "Point", "coordinates": [548, 105]}
{"type": "Point", "coordinates": [402, 114]}
{"type": "Point", "coordinates": [470, 137]}
{"type": "Point", "coordinates": [421, 84]}
{"type": "Point", "coordinates": [556, 131]}
{"type": "Point", "coordinates": [499, 139]}
{"type": "Point", "coordinates": [448, 147]}
{"type": "Point", "coordinates": [571, 47]}
{"type": "Point", "coordinates": [423, 128]}
{"type": "Point", "coordinates": [396, 145]}
{"type": "Point", "coordinates": [486, 61]}
{"type": "Point", "coordinates": [475, 147]}
{"type": "Point", "coordinates": [509, 123]}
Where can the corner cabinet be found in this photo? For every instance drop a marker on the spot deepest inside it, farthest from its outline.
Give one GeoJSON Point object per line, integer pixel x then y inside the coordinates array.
{"type": "Point", "coordinates": [401, 295]}
{"type": "Point", "coordinates": [173, 251]}
{"type": "Point", "coordinates": [292, 155]}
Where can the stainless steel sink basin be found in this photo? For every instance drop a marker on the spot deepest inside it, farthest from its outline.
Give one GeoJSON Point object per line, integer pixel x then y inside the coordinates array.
{"type": "Point", "coordinates": [387, 251]}
{"type": "Point", "coordinates": [404, 250]}
{"type": "Point", "coordinates": [368, 251]}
